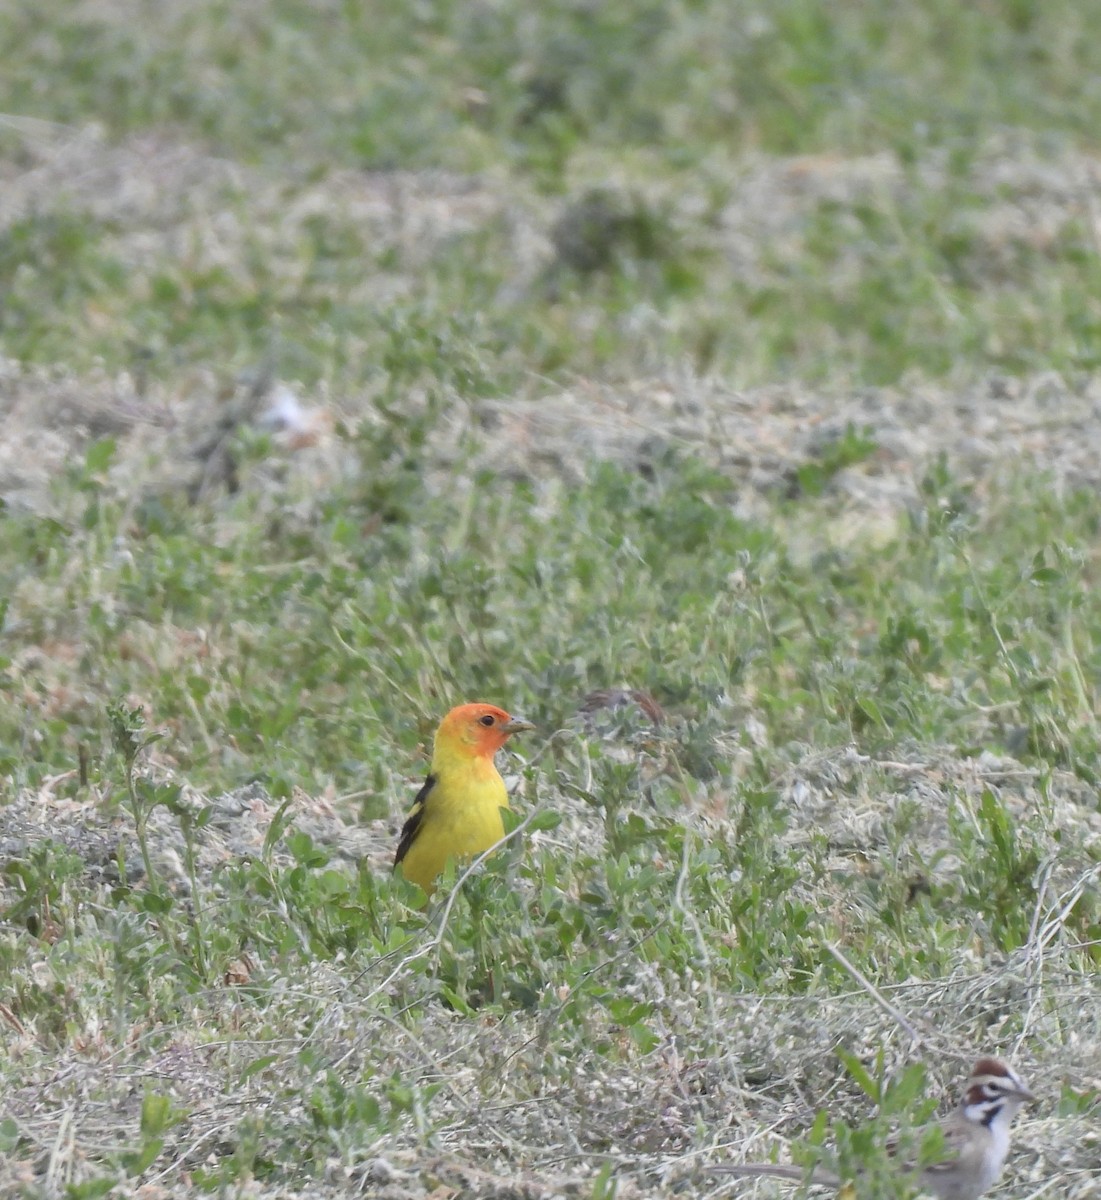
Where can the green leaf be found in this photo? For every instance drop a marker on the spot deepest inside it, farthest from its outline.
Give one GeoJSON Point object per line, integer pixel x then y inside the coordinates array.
{"type": "Point", "coordinates": [155, 1113]}
{"type": "Point", "coordinates": [902, 1092]}
{"type": "Point", "coordinates": [301, 845]}
{"type": "Point", "coordinates": [9, 1135]}
{"type": "Point", "coordinates": [871, 710]}
{"type": "Point", "coordinates": [545, 819]}
{"type": "Point", "coordinates": [156, 904]}
{"type": "Point", "coordinates": [144, 1158]}
{"type": "Point", "coordinates": [278, 826]}
{"type": "Point", "coordinates": [91, 1189]}
{"type": "Point", "coordinates": [820, 1129]}
{"type": "Point", "coordinates": [99, 455]}
{"type": "Point", "coordinates": [256, 1066]}
{"type": "Point", "coordinates": [998, 826]}
{"type": "Point", "coordinates": [859, 1073]}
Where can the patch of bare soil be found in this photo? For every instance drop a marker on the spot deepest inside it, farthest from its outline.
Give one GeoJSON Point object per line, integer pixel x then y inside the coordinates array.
{"type": "Point", "coordinates": [169, 196]}
{"type": "Point", "coordinates": [987, 433]}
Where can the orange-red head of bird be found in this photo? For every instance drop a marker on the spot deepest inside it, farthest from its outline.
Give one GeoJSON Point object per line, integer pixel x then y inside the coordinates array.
{"type": "Point", "coordinates": [480, 728]}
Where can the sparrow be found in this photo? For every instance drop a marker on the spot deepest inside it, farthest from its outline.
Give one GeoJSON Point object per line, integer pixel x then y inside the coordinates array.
{"type": "Point", "coordinates": [976, 1140]}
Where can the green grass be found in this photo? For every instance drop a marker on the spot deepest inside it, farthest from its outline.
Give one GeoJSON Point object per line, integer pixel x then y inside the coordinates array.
{"type": "Point", "coordinates": [464, 86]}
{"type": "Point", "coordinates": [869, 281]}
{"type": "Point", "coordinates": [460, 230]}
{"type": "Point", "coordinates": [317, 633]}
{"type": "Point", "coordinates": [326, 652]}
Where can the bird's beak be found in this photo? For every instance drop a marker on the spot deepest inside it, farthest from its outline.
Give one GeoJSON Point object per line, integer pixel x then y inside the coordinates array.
{"type": "Point", "coordinates": [1024, 1095]}
{"type": "Point", "coordinates": [516, 725]}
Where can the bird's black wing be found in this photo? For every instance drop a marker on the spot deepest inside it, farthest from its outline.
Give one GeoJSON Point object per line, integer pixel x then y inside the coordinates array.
{"type": "Point", "coordinates": [414, 821]}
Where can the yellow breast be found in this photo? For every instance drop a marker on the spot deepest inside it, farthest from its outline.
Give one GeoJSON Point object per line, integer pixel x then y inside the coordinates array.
{"type": "Point", "coordinates": [462, 818]}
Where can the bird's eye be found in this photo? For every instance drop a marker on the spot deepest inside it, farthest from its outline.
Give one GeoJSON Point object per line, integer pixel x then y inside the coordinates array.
{"type": "Point", "coordinates": [487, 720]}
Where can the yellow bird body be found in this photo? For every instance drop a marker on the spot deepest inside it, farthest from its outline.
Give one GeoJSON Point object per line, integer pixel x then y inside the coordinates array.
{"type": "Point", "coordinates": [457, 814]}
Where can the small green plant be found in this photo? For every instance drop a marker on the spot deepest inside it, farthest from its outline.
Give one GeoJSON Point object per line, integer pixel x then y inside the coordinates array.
{"type": "Point", "coordinates": [862, 1149]}
{"type": "Point", "coordinates": [158, 1115]}
{"type": "Point", "coordinates": [846, 449]}
{"type": "Point", "coordinates": [1001, 866]}
{"type": "Point", "coordinates": [9, 1135]}
{"type": "Point", "coordinates": [42, 881]}
{"type": "Point", "coordinates": [131, 739]}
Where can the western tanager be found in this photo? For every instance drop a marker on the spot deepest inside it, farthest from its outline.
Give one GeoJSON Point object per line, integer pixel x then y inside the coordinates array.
{"type": "Point", "coordinates": [457, 814]}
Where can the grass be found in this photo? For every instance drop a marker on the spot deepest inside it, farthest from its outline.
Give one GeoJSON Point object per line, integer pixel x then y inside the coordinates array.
{"type": "Point", "coordinates": [918, 266]}
{"type": "Point", "coordinates": [728, 354]}
{"type": "Point", "coordinates": [968, 627]}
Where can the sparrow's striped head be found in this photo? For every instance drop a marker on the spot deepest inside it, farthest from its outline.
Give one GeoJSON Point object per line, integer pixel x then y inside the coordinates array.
{"type": "Point", "coordinates": [994, 1087]}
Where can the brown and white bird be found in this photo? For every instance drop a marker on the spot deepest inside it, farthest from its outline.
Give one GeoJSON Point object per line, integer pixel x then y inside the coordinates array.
{"type": "Point", "coordinates": [976, 1140]}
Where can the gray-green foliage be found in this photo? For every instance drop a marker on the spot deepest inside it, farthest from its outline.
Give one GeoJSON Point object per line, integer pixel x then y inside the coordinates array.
{"type": "Point", "coordinates": [880, 738]}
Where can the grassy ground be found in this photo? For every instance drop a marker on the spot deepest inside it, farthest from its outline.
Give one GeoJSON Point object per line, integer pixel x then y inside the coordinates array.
{"type": "Point", "coordinates": [737, 356]}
